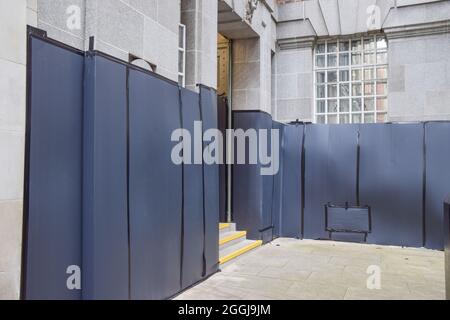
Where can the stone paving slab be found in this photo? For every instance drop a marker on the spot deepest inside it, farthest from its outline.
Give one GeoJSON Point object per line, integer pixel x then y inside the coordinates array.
{"type": "Point", "coordinates": [325, 270]}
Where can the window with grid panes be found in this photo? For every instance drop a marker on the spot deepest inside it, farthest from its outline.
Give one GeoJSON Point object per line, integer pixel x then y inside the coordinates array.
{"type": "Point", "coordinates": [351, 80]}
{"type": "Point", "coordinates": [182, 55]}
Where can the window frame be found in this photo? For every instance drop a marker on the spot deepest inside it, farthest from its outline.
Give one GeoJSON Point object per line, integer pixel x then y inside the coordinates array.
{"type": "Point", "coordinates": [375, 81]}
{"type": "Point", "coordinates": [182, 51]}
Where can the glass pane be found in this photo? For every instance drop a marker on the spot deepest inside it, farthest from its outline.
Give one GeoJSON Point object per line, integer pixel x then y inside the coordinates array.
{"type": "Point", "coordinates": [382, 73]}
{"type": "Point", "coordinates": [358, 95]}
{"type": "Point", "coordinates": [321, 106]}
{"type": "Point", "coordinates": [369, 118]}
{"type": "Point", "coordinates": [332, 60]}
{"type": "Point", "coordinates": [369, 44]}
{"type": "Point", "coordinates": [356, 58]}
{"type": "Point", "coordinates": [332, 46]}
{"type": "Point", "coordinates": [369, 74]}
{"type": "Point", "coordinates": [344, 75]}
{"type": "Point", "coordinates": [332, 119]}
{"type": "Point", "coordinates": [181, 37]}
{"type": "Point", "coordinates": [356, 104]}
{"type": "Point", "coordinates": [344, 59]}
{"type": "Point", "coordinates": [320, 119]}
{"type": "Point", "coordinates": [344, 105]}
{"type": "Point", "coordinates": [382, 58]}
{"type": "Point", "coordinates": [344, 118]}
{"type": "Point", "coordinates": [320, 77]}
{"type": "Point", "coordinates": [332, 106]}
{"type": "Point", "coordinates": [369, 104]}
{"type": "Point", "coordinates": [381, 88]}
{"type": "Point", "coordinates": [381, 43]}
{"type": "Point", "coordinates": [381, 104]}
{"type": "Point", "coordinates": [320, 61]}
{"type": "Point", "coordinates": [356, 89]}
{"type": "Point", "coordinates": [332, 90]}
{"type": "Point", "coordinates": [344, 90]}
{"type": "Point", "coordinates": [369, 58]}
{"type": "Point", "coordinates": [320, 91]}
{"type": "Point", "coordinates": [344, 46]}
{"type": "Point", "coordinates": [332, 76]}
{"type": "Point", "coordinates": [369, 88]}
{"type": "Point", "coordinates": [356, 45]}
{"type": "Point", "coordinates": [356, 74]}
{"type": "Point", "coordinates": [356, 118]}
{"type": "Point", "coordinates": [180, 62]}
{"type": "Point", "coordinates": [321, 48]}
{"type": "Point", "coordinates": [381, 118]}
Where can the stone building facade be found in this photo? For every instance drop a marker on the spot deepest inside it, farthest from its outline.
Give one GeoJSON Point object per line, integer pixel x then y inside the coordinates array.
{"type": "Point", "coordinates": [416, 54]}
{"type": "Point", "coordinates": [271, 64]}
{"type": "Point", "coordinates": [334, 61]}
{"type": "Point", "coordinates": [12, 140]}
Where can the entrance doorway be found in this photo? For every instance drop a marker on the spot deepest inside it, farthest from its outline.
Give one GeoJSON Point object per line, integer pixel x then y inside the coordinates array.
{"type": "Point", "coordinates": [233, 32]}
{"type": "Point", "coordinates": [224, 65]}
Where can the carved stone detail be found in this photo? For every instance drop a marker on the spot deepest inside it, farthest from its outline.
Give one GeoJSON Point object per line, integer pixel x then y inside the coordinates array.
{"type": "Point", "coordinates": [251, 7]}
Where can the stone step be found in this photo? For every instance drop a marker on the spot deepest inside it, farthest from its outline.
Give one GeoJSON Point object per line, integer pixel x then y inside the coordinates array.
{"type": "Point", "coordinates": [226, 227]}
{"type": "Point", "coordinates": [227, 239]}
{"type": "Point", "coordinates": [232, 252]}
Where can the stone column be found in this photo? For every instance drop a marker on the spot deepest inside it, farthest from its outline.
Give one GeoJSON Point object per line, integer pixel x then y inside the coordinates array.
{"type": "Point", "coordinates": [294, 78]}
{"type": "Point", "coordinates": [13, 21]}
{"type": "Point", "coordinates": [246, 74]}
{"type": "Point", "coordinates": [200, 18]}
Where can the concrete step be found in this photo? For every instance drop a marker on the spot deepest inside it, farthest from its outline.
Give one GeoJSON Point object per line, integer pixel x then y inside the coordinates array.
{"type": "Point", "coordinates": [228, 239]}
{"type": "Point", "coordinates": [232, 252]}
{"type": "Point", "coordinates": [226, 227]}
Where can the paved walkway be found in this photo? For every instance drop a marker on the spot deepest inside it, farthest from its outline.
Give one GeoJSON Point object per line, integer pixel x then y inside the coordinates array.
{"type": "Point", "coordinates": [295, 269]}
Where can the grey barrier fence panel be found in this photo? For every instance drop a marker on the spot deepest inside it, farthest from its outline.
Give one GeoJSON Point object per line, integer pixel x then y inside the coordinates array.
{"type": "Point", "coordinates": [102, 192]}
{"type": "Point", "coordinates": [342, 169]}
{"type": "Point", "coordinates": [247, 183]}
{"type": "Point", "coordinates": [316, 179]}
{"type": "Point", "coordinates": [208, 110]}
{"type": "Point", "coordinates": [155, 188]}
{"type": "Point", "coordinates": [105, 214]}
{"type": "Point", "coordinates": [330, 173]}
{"type": "Point", "coordinates": [437, 180]}
{"type": "Point", "coordinates": [342, 164]}
{"type": "Point", "coordinates": [54, 191]}
{"type": "Point", "coordinates": [349, 237]}
{"type": "Point", "coordinates": [192, 256]}
{"type": "Point", "coordinates": [291, 220]}
{"type": "Point", "coordinates": [252, 192]}
{"type": "Point", "coordinates": [391, 182]}
{"type": "Point", "coordinates": [266, 228]}
{"type": "Point", "coordinates": [222, 111]}
{"type": "Point", "coordinates": [446, 232]}
{"type": "Point", "coordinates": [278, 185]}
